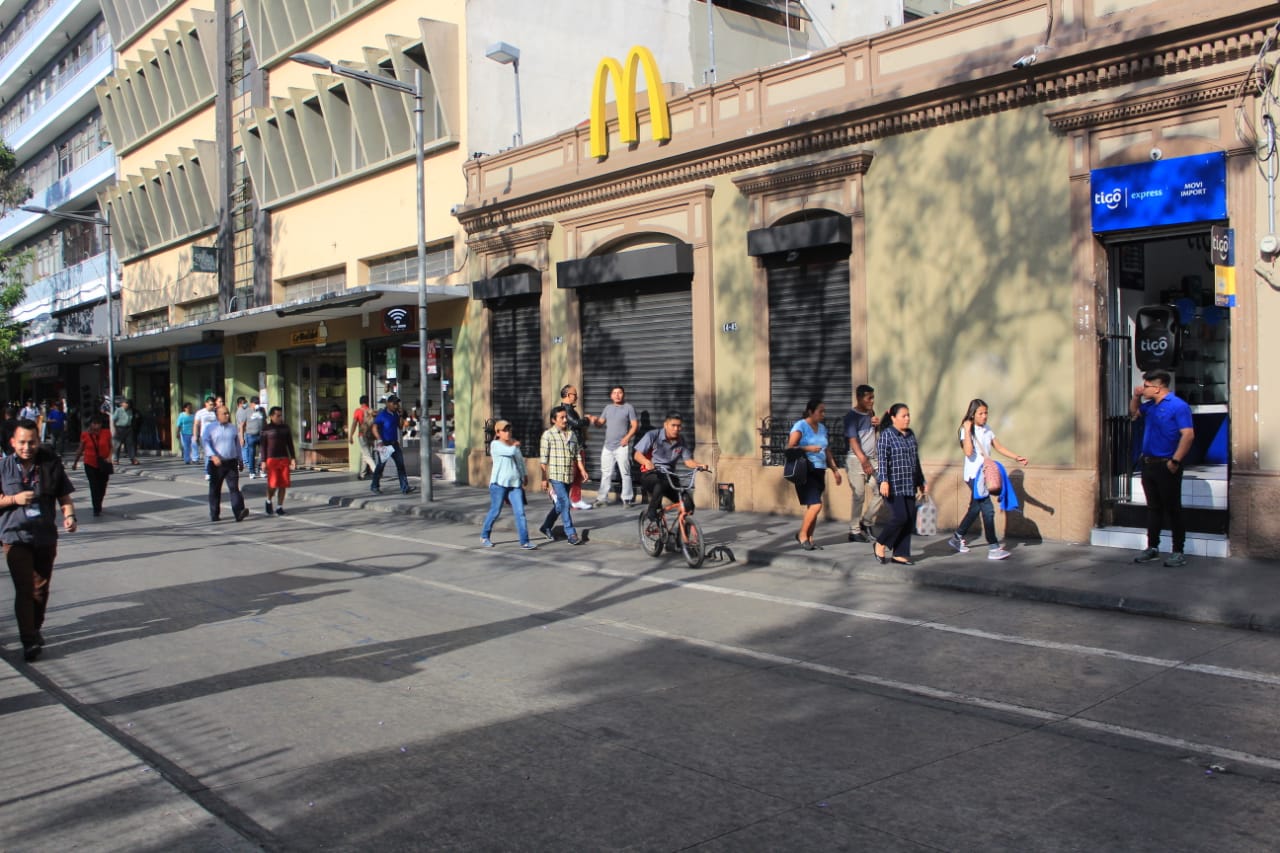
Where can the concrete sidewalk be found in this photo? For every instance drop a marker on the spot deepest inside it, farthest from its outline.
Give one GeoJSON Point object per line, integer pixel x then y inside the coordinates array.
{"type": "Point", "coordinates": [1233, 592]}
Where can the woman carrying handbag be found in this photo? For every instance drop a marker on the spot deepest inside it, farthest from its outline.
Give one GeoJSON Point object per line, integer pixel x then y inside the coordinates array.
{"type": "Point", "coordinates": [809, 434]}
{"type": "Point", "coordinates": [983, 477]}
{"type": "Point", "coordinates": [95, 449]}
{"type": "Point", "coordinates": [900, 479]}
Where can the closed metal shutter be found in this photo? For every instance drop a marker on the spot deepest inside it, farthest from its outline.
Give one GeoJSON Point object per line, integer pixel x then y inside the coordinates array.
{"type": "Point", "coordinates": [515, 335]}
{"type": "Point", "coordinates": [809, 348]}
{"type": "Point", "coordinates": [639, 337]}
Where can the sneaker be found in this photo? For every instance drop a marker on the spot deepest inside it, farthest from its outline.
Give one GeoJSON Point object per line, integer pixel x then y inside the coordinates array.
{"type": "Point", "coordinates": [485, 542]}
{"type": "Point", "coordinates": [996, 554]}
{"type": "Point", "coordinates": [280, 510]}
{"type": "Point", "coordinates": [31, 651]}
{"type": "Point", "coordinates": [581, 505]}
{"type": "Point", "coordinates": [252, 476]}
{"type": "Point", "coordinates": [528, 546]}
{"type": "Point", "coordinates": [549, 535]}
{"type": "Point", "coordinates": [1150, 555]}
{"type": "Point", "coordinates": [958, 544]}
{"type": "Point", "coordinates": [409, 490]}
{"type": "Point", "coordinates": [574, 540]}
{"type": "Point", "coordinates": [374, 491]}
{"type": "Point", "coordinates": [242, 514]}
{"type": "Point", "coordinates": [206, 478]}
{"type": "Point", "coordinates": [1177, 558]}
{"type": "Point", "coordinates": [600, 502]}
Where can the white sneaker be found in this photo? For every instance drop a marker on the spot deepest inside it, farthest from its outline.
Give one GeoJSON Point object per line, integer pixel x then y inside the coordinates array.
{"type": "Point", "coordinates": [581, 505]}
{"type": "Point", "coordinates": [252, 476]}
{"type": "Point", "coordinates": [958, 544]}
{"type": "Point", "coordinates": [997, 554]}
{"type": "Point", "coordinates": [206, 476]}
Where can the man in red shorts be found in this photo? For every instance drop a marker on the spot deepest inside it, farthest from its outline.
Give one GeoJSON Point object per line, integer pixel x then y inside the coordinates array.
{"type": "Point", "coordinates": [278, 457]}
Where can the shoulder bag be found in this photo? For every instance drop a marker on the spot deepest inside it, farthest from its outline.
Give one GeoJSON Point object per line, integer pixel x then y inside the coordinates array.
{"type": "Point", "coordinates": [796, 467]}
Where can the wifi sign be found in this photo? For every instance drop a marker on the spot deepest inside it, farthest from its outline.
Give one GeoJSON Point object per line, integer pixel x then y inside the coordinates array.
{"type": "Point", "coordinates": [396, 320]}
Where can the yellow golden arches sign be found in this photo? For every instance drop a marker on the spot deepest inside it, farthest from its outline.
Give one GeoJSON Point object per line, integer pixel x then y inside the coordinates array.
{"type": "Point", "coordinates": [624, 86]}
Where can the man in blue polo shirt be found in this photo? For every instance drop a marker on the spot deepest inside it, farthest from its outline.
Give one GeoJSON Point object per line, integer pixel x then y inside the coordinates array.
{"type": "Point", "coordinates": [1166, 441]}
{"type": "Point", "coordinates": [386, 434]}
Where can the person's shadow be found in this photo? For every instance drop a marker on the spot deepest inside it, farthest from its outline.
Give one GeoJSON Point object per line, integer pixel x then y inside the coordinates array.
{"type": "Point", "coordinates": [1017, 524]}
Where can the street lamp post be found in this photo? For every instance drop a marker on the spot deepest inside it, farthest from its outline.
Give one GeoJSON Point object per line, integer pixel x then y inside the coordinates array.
{"type": "Point", "coordinates": [415, 91]}
{"type": "Point", "coordinates": [510, 55]}
{"type": "Point", "coordinates": [105, 223]}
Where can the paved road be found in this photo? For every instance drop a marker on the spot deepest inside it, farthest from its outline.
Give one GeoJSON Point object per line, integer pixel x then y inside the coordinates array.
{"type": "Point", "coordinates": [345, 680]}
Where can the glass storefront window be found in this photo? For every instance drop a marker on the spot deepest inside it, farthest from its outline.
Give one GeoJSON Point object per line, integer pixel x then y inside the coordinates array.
{"type": "Point", "coordinates": [316, 402]}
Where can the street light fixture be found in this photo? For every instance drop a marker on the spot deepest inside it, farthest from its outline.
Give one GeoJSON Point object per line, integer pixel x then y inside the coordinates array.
{"type": "Point", "coordinates": [510, 55]}
{"type": "Point", "coordinates": [415, 91]}
{"type": "Point", "coordinates": [105, 223]}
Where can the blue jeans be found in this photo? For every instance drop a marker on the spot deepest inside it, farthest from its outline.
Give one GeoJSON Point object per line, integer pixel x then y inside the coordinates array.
{"type": "Point", "coordinates": [499, 495]}
{"type": "Point", "coordinates": [188, 448]}
{"type": "Point", "coordinates": [397, 456]}
{"type": "Point", "coordinates": [988, 511]}
{"type": "Point", "coordinates": [249, 451]}
{"type": "Point", "coordinates": [562, 507]}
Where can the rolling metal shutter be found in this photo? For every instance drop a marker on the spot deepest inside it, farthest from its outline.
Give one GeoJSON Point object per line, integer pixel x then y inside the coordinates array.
{"type": "Point", "coordinates": [639, 337]}
{"type": "Point", "coordinates": [809, 347]}
{"type": "Point", "coordinates": [515, 335]}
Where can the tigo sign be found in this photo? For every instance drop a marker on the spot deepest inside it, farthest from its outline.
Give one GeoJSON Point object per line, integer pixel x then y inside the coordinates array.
{"type": "Point", "coordinates": [625, 78]}
{"type": "Point", "coordinates": [1162, 192]}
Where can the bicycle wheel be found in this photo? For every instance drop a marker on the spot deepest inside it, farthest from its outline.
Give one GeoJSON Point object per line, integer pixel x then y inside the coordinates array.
{"type": "Point", "coordinates": [652, 536]}
{"type": "Point", "coordinates": [692, 544]}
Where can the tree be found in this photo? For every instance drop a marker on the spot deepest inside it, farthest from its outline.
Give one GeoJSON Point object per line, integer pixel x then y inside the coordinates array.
{"type": "Point", "coordinates": [13, 285]}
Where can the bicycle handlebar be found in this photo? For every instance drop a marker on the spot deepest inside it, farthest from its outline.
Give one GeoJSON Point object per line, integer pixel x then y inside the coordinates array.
{"type": "Point", "coordinates": [681, 480]}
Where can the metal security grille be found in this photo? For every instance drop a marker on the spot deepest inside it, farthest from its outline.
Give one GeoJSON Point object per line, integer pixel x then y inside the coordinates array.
{"type": "Point", "coordinates": [810, 354]}
{"type": "Point", "coordinates": [639, 337]}
{"type": "Point", "coordinates": [244, 209]}
{"type": "Point", "coordinates": [1117, 430]}
{"type": "Point", "coordinates": [515, 330]}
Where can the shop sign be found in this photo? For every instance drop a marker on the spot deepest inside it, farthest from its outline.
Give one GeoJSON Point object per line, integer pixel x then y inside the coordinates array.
{"type": "Point", "coordinates": [144, 359]}
{"type": "Point", "coordinates": [625, 77]}
{"type": "Point", "coordinates": [204, 259]}
{"type": "Point", "coordinates": [44, 371]}
{"type": "Point", "coordinates": [431, 358]}
{"type": "Point", "coordinates": [397, 320]}
{"type": "Point", "coordinates": [1162, 192]}
{"type": "Point", "coordinates": [1222, 242]}
{"type": "Point", "coordinates": [305, 336]}
{"type": "Point", "coordinates": [1159, 338]}
{"type": "Point", "coordinates": [198, 352]}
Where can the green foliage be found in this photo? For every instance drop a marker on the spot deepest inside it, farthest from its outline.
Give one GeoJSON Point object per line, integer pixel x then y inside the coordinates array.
{"type": "Point", "coordinates": [12, 284]}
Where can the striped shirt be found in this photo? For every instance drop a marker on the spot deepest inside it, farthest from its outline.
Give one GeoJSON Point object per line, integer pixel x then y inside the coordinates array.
{"type": "Point", "coordinates": [899, 459]}
{"type": "Point", "coordinates": [559, 452]}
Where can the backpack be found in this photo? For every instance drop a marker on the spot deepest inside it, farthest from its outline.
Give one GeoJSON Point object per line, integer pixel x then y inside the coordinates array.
{"type": "Point", "coordinates": [364, 426]}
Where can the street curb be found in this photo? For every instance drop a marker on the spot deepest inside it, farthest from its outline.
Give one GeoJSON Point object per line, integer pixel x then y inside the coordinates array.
{"type": "Point", "coordinates": [924, 578]}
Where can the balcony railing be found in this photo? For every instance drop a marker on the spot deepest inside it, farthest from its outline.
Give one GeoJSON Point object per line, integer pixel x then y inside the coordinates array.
{"type": "Point", "coordinates": [40, 44]}
{"type": "Point", "coordinates": [73, 100]}
{"type": "Point", "coordinates": [79, 185]}
{"type": "Point", "coordinates": [65, 289]}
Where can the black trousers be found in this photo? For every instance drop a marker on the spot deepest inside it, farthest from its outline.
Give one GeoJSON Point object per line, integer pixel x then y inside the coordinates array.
{"type": "Point", "coordinates": [1163, 489]}
{"type": "Point", "coordinates": [659, 487]}
{"type": "Point", "coordinates": [31, 567]}
{"type": "Point", "coordinates": [97, 486]}
{"type": "Point", "coordinates": [896, 535]}
{"type": "Point", "coordinates": [228, 472]}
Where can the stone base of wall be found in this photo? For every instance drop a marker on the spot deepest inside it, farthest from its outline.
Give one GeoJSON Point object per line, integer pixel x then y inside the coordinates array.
{"type": "Point", "coordinates": [1057, 504]}
{"type": "Point", "coordinates": [1254, 526]}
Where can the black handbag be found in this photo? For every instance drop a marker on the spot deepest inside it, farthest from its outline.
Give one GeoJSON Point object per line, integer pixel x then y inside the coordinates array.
{"type": "Point", "coordinates": [795, 468]}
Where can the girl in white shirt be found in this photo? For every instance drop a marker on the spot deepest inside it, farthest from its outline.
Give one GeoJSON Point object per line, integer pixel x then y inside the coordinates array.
{"type": "Point", "coordinates": [977, 440]}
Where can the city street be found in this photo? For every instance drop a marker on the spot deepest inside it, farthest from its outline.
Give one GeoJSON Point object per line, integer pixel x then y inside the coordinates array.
{"type": "Point", "coordinates": [343, 679]}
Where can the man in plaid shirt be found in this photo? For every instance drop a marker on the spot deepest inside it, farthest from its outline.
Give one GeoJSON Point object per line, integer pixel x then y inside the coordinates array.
{"type": "Point", "coordinates": [559, 455]}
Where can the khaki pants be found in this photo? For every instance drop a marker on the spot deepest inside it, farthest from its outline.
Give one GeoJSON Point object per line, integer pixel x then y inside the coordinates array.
{"type": "Point", "coordinates": [866, 494]}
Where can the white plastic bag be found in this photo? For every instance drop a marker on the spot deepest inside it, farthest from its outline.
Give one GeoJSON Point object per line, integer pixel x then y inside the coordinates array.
{"type": "Point", "coordinates": [927, 517]}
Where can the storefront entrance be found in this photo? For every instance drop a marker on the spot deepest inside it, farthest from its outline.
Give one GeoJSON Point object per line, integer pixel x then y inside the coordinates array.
{"type": "Point", "coordinates": [1173, 272]}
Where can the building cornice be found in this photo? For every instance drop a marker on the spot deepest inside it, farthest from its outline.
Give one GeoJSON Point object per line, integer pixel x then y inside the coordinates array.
{"type": "Point", "coordinates": [1194, 94]}
{"type": "Point", "coordinates": [1088, 73]}
{"type": "Point", "coordinates": [806, 174]}
{"type": "Point", "coordinates": [524, 236]}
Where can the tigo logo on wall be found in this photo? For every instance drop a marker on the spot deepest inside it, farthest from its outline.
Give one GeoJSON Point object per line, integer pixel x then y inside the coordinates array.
{"type": "Point", "coordinates": [624, 86]}
{"type": "Point", "coordinates": [1162, 192]}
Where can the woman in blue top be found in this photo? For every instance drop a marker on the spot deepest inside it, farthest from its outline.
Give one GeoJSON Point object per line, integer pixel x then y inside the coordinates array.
{"type": "Point", "coordinates": [186, 428]}
{"type": "Point", "coordinates": [810, 435]}
{"type": "Point", "coordinates": [506, 483]}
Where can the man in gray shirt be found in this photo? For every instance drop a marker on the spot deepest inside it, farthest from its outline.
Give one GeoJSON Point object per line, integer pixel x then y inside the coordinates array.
{"type": "Point", "coordinates": [620, 423]}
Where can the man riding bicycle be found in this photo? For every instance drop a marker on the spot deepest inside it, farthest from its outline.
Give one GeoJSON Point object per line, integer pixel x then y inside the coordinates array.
{"type": "Point", "coordinates": [658, 451]}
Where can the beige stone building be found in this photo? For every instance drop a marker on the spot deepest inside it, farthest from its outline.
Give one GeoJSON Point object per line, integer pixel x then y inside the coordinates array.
{"type": "Point", "coordinates": [977, 204]}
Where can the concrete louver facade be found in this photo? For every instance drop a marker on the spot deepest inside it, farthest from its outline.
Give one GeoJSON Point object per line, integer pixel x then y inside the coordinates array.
{"type": "Point", "coordinates": [314, 136]}
{"type": "Point", "coordinates": [172, 201]}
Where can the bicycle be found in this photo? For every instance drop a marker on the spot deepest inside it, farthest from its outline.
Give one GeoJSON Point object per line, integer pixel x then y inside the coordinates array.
{"type": "Point", "coordinates": [684, 533]}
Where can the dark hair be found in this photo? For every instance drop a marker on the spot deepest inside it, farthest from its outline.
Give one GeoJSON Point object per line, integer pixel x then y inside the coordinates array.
{"type": "Point", "coordinates": [364, 399]}
{"type": "Point", "coordinates": [564, 390]}
{"type": "Point", "coordinates": [811, 406]}
{"type": "Point", "coordinates": [887, 420]}
{"type": "Point", "coordinates": [673, 415]}
{"type": "Point", "coordinates": [211, 399]}
{"type": "Point", "coordinates": [618, 388]}
{"type": "Point", "coordinates": [100, 419]}
{"type": "Point", "coordinates": [185, 404]}
{"type": "Point", "coordinates": [240, 400]}
{"type": "Point", "coordinates": [862, 391]}
{"type": "Point", "coordinates": [974, 405]}
{"type": "Point", "coordinates": [557, 410]}
{"type": "Point", "coordinates": [274, 409]}
{"type": "Point", "coordinates": [1161, 376]}
{"type": "Point", "coordinates": [253, 401]}
{"type": "Point", "coordinates": [26, 423]}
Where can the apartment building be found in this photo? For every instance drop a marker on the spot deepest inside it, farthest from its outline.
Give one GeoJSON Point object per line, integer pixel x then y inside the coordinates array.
{"type": "Point", "coordinates": [1025, 201]}
{"type": "Point", "coordinates": [53, 53]}
{"type": "Point", "coordinates": [265, 212]}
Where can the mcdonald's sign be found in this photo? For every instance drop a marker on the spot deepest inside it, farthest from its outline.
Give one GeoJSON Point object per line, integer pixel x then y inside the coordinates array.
{"type": "Point", "coordinates": [624, 86]}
